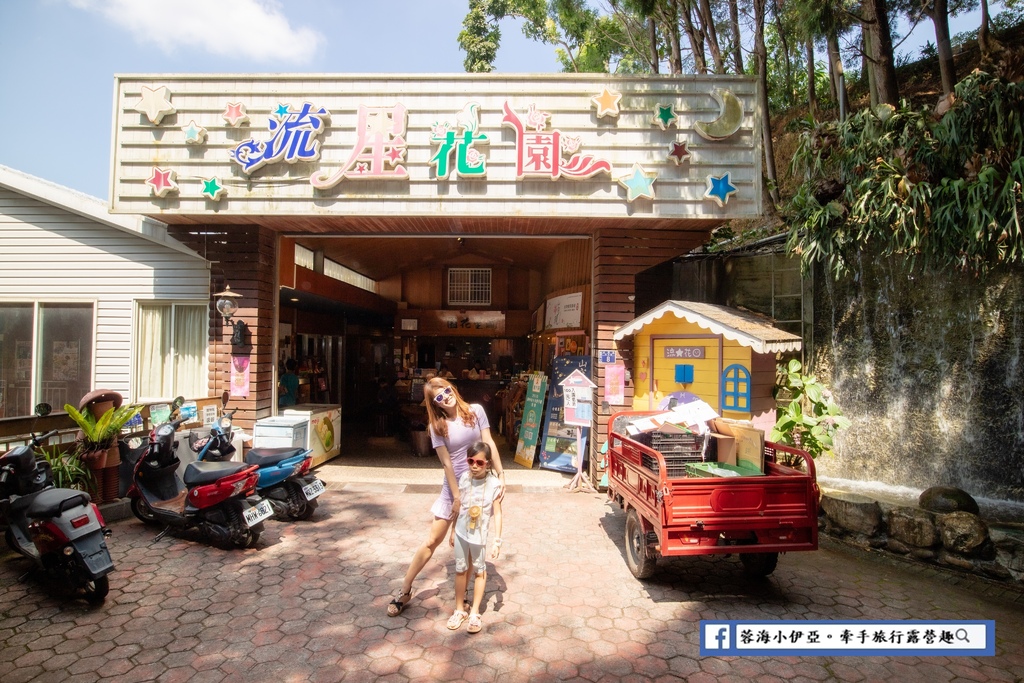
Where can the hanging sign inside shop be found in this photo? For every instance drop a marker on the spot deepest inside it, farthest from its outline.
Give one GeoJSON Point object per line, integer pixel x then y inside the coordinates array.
{"type": "Point", "coordinates": [563, 311]}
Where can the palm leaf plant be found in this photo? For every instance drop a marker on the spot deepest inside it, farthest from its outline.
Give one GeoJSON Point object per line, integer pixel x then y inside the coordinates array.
{"type": "Point", "coordinates": [100, 434]}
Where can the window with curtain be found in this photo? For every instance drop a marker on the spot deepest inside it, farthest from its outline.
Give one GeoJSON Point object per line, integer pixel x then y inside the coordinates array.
{"type": "Point", "coordinates": [45, 355]}
{"type": "Point", "coordinates": [171, 342]}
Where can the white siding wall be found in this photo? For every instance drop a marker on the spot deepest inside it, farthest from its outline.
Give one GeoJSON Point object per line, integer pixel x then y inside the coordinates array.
{"type": "Point", "coordinates": [49, 254]}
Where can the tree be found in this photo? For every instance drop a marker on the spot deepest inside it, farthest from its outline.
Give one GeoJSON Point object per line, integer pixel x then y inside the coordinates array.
{"type": "Point", "coordinates": [761, 58]}
{"type": "Point", "coordinates": [874, 18]}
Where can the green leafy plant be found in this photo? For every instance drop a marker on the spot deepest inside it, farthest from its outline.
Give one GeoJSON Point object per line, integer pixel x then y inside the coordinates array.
{"type": "Point", "coordinates": [100, 434]}
{"type": "Point", "coordinates": [811, 419]}
{"type": "Point", "coordinates": [69, 472]}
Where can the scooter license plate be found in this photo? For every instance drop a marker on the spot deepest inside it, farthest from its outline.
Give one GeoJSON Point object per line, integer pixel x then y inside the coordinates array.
{"type": "Point", "coordinates": [313, 490]}
{"type": "Point", "coordinates": [259, 513]}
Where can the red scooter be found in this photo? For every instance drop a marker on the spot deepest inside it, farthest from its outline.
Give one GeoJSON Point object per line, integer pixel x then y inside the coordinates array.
{"type": "Point", "coordinates": [60, 530]}
{"type": "Point", "coordinates": [215, 497]}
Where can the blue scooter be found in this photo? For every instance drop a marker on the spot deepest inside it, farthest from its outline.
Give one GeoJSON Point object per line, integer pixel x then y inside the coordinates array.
{"type": "Point", "coordinates": [284, 480]}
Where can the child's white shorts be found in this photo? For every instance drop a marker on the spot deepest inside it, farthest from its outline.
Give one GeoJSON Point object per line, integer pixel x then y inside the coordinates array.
{"type": "Point", "coordinates": [464, 551]}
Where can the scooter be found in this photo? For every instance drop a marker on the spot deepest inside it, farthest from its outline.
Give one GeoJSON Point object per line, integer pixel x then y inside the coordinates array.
{"type": "Point", "coordinates": [218, 498]}
{"type": "Point", "coordinates": [284, 480]}
{"type": "Point", "coordinates": [60, 530]}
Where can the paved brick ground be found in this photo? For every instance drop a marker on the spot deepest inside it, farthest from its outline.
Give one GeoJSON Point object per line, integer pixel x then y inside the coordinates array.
{"type": "Point", "coordinates": [309, 605]}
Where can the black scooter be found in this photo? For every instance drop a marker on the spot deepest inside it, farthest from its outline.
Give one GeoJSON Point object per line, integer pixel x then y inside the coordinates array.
{"type": "Point", "coordinates": [215, 497]}
{"type": "Point", "coordinates": [60, 530]}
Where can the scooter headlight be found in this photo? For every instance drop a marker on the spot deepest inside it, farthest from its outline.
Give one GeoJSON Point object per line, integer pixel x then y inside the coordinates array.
{"type": "Point", "coordinates": [225, 423]}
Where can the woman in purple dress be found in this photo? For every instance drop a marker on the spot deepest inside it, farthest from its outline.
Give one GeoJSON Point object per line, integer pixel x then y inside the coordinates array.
{"type": "Point", "coordinates": [454, 426]}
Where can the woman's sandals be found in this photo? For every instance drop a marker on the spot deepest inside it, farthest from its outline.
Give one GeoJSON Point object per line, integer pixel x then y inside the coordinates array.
{"type": "Point", "coordinates": [396, 606]}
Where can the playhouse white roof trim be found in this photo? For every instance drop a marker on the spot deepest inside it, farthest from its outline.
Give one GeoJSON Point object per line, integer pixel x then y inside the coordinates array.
{"type": "Point", "coordinates": [89, 207]}
{"type": "Point", "coordinates": [742, 327]}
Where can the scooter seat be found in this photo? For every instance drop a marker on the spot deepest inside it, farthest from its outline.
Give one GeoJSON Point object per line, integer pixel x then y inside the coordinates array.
{"type": "Point", "coordinates": [201, 472]}
{"type": "Point", "coordinates": [265, 457]}
{"type": "Point", "coordinates": [51, 502]}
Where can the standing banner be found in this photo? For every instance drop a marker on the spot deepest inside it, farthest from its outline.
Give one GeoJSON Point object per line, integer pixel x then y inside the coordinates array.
{"type": "Point", "coordinates": [559, 447]}
{"type": "Point", "coordinates": [533, 414]}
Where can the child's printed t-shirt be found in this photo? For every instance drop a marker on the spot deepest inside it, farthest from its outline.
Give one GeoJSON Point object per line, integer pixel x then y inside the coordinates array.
{"type": "Point", "coordinates": [476, 493]}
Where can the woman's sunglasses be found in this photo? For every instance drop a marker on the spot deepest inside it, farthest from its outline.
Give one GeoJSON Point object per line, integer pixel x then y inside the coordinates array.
{"type": "Point", "coordinates": [479, 462]}
{"type": "Point", "coordinates": [441, 396]}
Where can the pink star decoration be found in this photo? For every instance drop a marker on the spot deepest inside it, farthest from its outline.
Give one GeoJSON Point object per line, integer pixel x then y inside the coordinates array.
{"type": "Point", "coordinates": [163, 181]}
{"type": "Point", "coordinates": [235, 114]}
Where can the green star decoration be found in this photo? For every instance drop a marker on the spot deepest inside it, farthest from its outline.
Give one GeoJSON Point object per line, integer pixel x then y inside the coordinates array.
{"type": "Point", "coordinates": [213, 189]}
{"type": "Point", "coordinates": [665, 116]}
{"type": "Point", "coordinates": [638, 183]}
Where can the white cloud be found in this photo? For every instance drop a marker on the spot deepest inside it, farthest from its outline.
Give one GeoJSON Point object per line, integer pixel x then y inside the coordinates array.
{"type": "Point", "coordinates": [249, 29]}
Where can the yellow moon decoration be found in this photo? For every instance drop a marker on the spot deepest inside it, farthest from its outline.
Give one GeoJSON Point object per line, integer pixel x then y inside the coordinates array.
{"type": "Point", "coordinates": [728, 121]}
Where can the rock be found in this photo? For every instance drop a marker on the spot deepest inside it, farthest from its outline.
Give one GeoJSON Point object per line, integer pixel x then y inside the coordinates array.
{"type": "Point", "coordinates": [947, 499]}
{"type": "Point", "coordinates": [963, 532]}
{"type": "Point", "coordinates": [898, 547]}
{"type": "Point", "coordinates": [1009, 545]}
{"type": "Point", "coordinates": [913, 527]}
{"type": "Point", "coordinates": [853, 512]}
{"type": "Point", "coordinates": [954, 560]}
{"type": "Point", "coordinates": [923, 554]}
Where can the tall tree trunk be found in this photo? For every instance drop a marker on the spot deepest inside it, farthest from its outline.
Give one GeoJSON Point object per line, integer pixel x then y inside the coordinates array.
{"type": "Point", "coordinates": [708, 20]}
{"type": "Point", "coordinates": [761, 55]}
{"type": "Point", "coordinates": [676, 58]}
{"type": "Point", "coordinates": [880, 55]}
{"type": "Point", "coordinates": [987, 45]}
{"type": "Point", "coordinates": [652, 35]}
{"type": "Point", "coordinates": [866, 68]}
{"type": "Point", "coordinates": [836, 70]}
{"type": "Point", "coordinates": [696, 37]}
{"type": "Point", "coordinates": [734, 22]}
{"type": "Point", "coordinates": [812, 95]}
{"type": "Point", "coordinates": [784, 46]}
{"type": "Point", "coordinates": [947, 70]}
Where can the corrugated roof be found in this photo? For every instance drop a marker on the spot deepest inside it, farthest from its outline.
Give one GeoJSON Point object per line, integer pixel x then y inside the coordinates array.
{"type": "Point", "coordinates": [742, 327]}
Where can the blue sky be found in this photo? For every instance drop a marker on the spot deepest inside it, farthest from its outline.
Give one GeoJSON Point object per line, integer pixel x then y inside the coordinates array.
{"type": "Point", "coordinates": [60, 57]}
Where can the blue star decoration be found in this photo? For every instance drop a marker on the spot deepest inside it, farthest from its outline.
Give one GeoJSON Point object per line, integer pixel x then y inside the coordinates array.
{"type": "Point", "coordinates": [281, 111]}
{"type": "Point", "coordinates": [194, 133]}
{"type": "Point", "coordinates": [213, 189]}
{"type": "Point", "coordinates": [638, 183]}
{"type": "Point", "coordinates": [720, 188]}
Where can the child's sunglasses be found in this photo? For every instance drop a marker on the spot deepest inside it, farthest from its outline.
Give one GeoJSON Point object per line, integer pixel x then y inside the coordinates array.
{"type": "Point", "coordinates": [479, 462]}
{"type": "Point", "coordinates": [441, 396]}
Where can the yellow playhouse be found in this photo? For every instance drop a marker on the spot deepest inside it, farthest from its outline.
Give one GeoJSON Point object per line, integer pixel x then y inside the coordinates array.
{"type": "Point", "coordinates": [724, 356]}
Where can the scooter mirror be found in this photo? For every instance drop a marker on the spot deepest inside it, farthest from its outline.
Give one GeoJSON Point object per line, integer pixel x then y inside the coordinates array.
{"type": "Point", "coordinates": [43, 409]}
{"type": "Point", "coordinates": [224, 400]}
{"type": "Point", "coordinates": [178, 402]}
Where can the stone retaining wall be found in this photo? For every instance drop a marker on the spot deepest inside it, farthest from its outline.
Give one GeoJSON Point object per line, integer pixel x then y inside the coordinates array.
{"type": "Point", "coordinates": [960, 540]}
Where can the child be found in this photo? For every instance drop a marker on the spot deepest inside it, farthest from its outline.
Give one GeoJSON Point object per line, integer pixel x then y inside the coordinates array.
{"type": "Point", "coordinates": [478, 489]}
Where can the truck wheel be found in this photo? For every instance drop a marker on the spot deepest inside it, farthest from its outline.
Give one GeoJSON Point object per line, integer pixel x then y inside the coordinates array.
{"type": "Point", "coordinates": [638, 556]}
{"type": "Point", "coordinates": [759, 564]}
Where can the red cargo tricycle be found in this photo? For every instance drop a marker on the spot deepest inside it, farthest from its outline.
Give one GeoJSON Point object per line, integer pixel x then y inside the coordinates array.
{"type": "Point", "coordinates": [670, 514]}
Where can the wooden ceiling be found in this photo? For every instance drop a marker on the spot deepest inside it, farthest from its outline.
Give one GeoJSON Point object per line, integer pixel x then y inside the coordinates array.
{"type": "Point", "coordinates": [380, 247]}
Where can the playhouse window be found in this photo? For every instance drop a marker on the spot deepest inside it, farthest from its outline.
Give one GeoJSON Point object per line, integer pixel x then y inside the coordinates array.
{"type": "Point", "coordinates": [736, 389]}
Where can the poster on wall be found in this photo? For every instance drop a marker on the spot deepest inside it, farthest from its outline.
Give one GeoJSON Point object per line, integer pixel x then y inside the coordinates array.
{"type": "Point", "coordinates": [558, 445]}
{"type": "Point", "coordinates": [65, 361]}
{"type": "Point", "coordinates": [239, 376]}
{"type": "Point", "coordinates": [22, 360]}
{"type": "Point", "coordinates": [533, 415]}
{"type": "Point", "coordinates": [615, 385]}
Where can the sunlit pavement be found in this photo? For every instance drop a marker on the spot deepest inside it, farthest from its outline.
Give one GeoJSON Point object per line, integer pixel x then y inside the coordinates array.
{"type": "Point", "coordinates": [309, 604]}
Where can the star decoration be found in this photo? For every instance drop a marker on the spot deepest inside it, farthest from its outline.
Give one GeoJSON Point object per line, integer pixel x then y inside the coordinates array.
{"type": "Point", "coordinates": [281, 111]}
{"type": "Point", "coordinates": [638, 183]}
{"type": "Point", "coordinates": [664, 116]}
{"type": "Point", "coordinates": [155, 104]}
{"type": "Point", "coordinates": [213, 189]}
{"type": "Point", "coordinates": [194, 133]}
{"type": "Point", "coordinates": [162, 182]}
{"type": "Point", "coordinates": [235, 114]}
{"type": "Point", "coordinates": [607, 103]}
{"type": "Point", "coordinates": [720, 188]}
{"type": "Point", "coordinates": [678, 153]}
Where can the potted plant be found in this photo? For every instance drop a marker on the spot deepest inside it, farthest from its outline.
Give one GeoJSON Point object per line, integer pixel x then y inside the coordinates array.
{"type": "Point", "coordinates": [99, 434]}
{"type": "Point", "coordinates": [69, 472]}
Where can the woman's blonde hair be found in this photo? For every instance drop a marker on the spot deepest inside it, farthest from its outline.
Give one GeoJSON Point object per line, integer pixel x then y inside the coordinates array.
{"type": "Point", "coordinates": [436, 415]}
